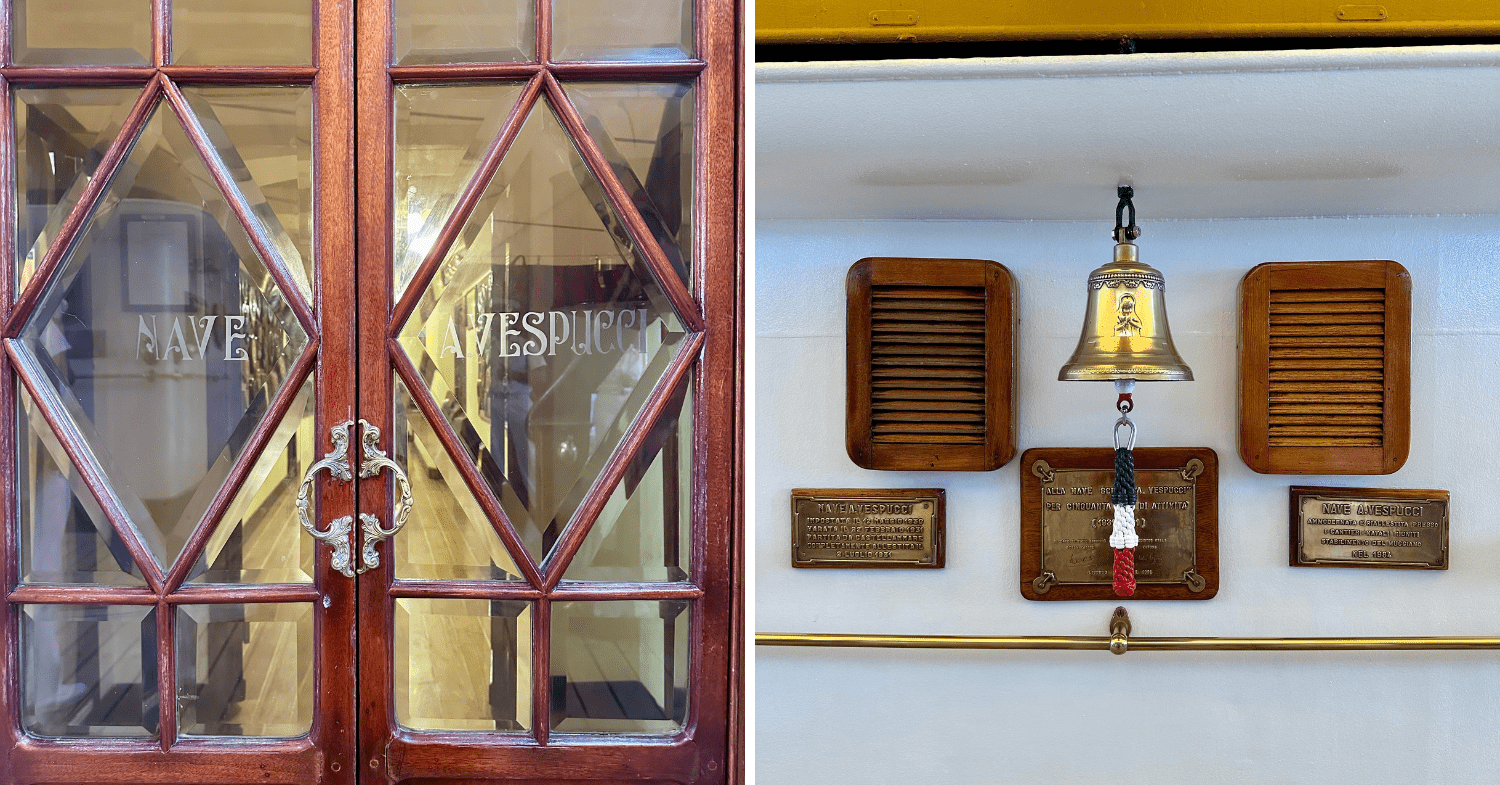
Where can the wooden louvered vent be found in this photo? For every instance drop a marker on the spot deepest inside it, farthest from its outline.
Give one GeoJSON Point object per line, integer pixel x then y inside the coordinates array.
{"type": "Point", "coordinates": [929, 364]}
{"type": "Point", "coordinates": [1325, 357]}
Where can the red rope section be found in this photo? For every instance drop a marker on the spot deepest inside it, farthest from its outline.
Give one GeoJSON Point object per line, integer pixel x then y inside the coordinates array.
{"type": "Point", "coordinates": [1124, 572]}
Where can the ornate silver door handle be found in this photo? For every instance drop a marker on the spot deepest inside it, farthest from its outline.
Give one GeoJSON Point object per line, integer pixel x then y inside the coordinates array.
{"type": "Point", "coordinates": [376, 461]}
{"type": "Point", "coordinates": [337, 533]}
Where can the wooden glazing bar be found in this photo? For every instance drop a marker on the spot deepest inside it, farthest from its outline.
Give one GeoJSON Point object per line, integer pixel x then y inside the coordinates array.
{"type": "Point", "coordinates": [635, 72]}
{"type": "Point", "coordinates": [677, 373]}
{"type": "Point", "coordinates": [541, 670]}
{"type": "Point", "coordinates": [243, 465]}
{"type": "Point", "coordinates": [77, 75]}
{"type": "Point", "coordinates": [264, 246]}
{"type": "Point", "coordinates": [7, 55]}
{"type": "Point", "coordinates": [467, 72]}
{"type": "Point", "coordinates": [465, 204]}
{"type": "Point", "coordinates": [466, 468]}
{"type": "Point", "coordinates": [161, 32]}
{"type": "Point", "coordinates": [470, 590]}
{"type": "Point", "coordinates": [73, 443]}
{"type": "Point", "coordinates": [67, 233]}
{"type": "Point", "coordinates": [246, 75]}
{"type": "Point", "coordinates": [671, 283]}
{"type": "Point", "coordinates": [7, 193]}
{"type": "Point", "coordinates": [544, 31]}
{"type": "Point", "coordinates": [568, 591]}
{"type": "Point", "coordinates": [166, 672]}
{"type": "Point", "coordinates": [10, 544]}
{"type": "Point", "coordinates": [238, 593]}
{"type": "Point", "coordinates": [82, 595]}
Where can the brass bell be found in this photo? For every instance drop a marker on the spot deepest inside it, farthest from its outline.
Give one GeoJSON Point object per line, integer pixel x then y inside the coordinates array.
{"type": "Point", "coordinates": [1125, 334]}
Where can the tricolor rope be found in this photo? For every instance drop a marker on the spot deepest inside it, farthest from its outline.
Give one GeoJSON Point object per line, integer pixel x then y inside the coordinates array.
{"type": "Point", "coordinates": [1123, 537]}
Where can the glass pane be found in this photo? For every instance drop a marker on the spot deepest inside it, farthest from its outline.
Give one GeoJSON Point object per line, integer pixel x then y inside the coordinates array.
{"type": "Point", "coordinates": [646, 132]}
{"type": "Point", "coordinates": [644, 532]}
{"type": "Point", "coordinates": [164, 336]}
{"type": "Point", "coordinates": [65, 537]}
{"type": "Point", "coordinates": [88, 670]}
{"type": "Point", "coordinates": [543, 333]}
{"type": "Point", "coordinates": [226, 32]}
{"type": "Point", "coordinates": [447, 535]}
{"type": "Point", "coordinates": [82, 32]}
{"type": "Point", "coordinates": [619, 667]}
{"type": "Point", "coordinates": [465, 31]}
{"type": "Point", "coordinates": [245, 670]}
{"type": "Point", "coordinates": [61, 134]}
{"type": "Point", "coordinates": [463, 664]}
{"type": "Point", "coordinates": [264, 136]}
{"type": "Point", "coordinates": [260, 539]}
{"type": "Point", "coordinates": [622, 29]}
{"type": "Point", "coordinates": [441, 135]}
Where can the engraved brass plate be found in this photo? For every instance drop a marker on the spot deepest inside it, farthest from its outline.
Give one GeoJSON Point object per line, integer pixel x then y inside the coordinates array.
{"type": "Point", "coordinates": [1369, 527]}
{"type": "Point", "coordinates": [1066, 519]}
{"type": "Point", "coordinates": [842, 527]}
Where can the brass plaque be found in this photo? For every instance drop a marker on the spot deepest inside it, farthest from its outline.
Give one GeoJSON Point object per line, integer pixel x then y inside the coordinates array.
{"type": "Point", "coordinates": [1369, 527]}
{"type": "Point", "coordinates": [1066, 519]}
{"type": "Point", "coordinates": [844, 527]}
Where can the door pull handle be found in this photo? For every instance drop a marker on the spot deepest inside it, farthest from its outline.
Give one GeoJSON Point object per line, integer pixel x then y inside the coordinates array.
{"type": "Point", "coordinates": [374, 463]}
{"type": "Point", "coordinates": [336, 461]}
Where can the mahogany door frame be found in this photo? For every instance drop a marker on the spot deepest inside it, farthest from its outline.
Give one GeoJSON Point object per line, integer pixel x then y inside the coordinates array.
{"type": "Point", "coordinates": [327, 754]}
{"type": "Point", "coordinates": [710, 747]}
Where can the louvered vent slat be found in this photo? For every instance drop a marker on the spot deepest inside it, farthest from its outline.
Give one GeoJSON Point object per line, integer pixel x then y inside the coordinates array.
{"type": "Point", "coordinates": [923, 339]}
{"type": "Point", "coordinates": [1325, 364]}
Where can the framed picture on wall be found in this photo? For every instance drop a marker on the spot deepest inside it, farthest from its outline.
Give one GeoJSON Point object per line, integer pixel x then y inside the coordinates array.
{"type": "Point", "coordinates": [160, 262]}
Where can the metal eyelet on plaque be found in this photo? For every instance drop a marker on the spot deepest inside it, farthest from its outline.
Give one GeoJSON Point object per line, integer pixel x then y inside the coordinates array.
{"type": "Point", "coordinates": [336, 461]}
{"type": "Point", "coordinates": [375, 462]}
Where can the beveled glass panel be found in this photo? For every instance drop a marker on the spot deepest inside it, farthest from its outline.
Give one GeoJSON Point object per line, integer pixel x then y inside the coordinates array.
{"type": "Point", "coordinates": [242, 32]}
{"type": "Point", "coordinates": [465, 31]}
{"type": "Point", "coordinates": [543, 333]}
{"type": "Point", "coordinates": [260, 539]}
{"type": "Point", "coordinates": [447, 536]}
{"type": "Point", "coordinates": [463, 664]}
{"type": "Point", "coordinates": [622, 29]}
{"type": "Point", "coordinates": [644, 532]}
{"type": "Point", "coordinates": [65, 537]}
{"type": "Point", "coordinates": [646, 132]}
{"type": "Point", "coordinates": [442, 133]}
{"type": "Point", "coordinates": [619, 666]}
{"type": "Point", "coordinates": [264, 137]}
{"type": "Point", "coordinates": [245, 670]}
{"type": "Point", "coordinates": [61, 135]}
{"type": "Point", "coordinates": [81, 32]}
{"type": "Point", "coordinates": [164, 336]}
{"type": "Point", "coordinates": [89, 671]}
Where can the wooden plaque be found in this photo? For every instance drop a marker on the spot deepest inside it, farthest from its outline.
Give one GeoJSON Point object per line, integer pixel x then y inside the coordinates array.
{"type": "Point", "coordinates": [1066, 519]}
{"type": "Point", "coordinates": [1381, 528]}
{"type": "Point", "coordinates": [1325, 367]}
{"type": "Point", "coordinates": [874, 527]}
{"type": "Point", "coordinates": [930, 364]}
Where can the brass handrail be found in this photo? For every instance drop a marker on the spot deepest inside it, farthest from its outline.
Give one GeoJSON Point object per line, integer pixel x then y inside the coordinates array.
{"type": "Point", "coordinates": [1102, 643]}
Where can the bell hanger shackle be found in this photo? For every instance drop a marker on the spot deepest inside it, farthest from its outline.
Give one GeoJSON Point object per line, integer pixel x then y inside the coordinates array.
{"type": "Point", "coordinates": [1124, 232]}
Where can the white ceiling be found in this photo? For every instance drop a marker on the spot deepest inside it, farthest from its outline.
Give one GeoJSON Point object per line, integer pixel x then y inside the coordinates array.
{"type": "Point", "coordinates": [1410, 131]}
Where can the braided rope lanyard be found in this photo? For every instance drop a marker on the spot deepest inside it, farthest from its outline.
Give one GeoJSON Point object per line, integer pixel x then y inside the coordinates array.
{"type": "Point", "coordinates": [1123, 498]}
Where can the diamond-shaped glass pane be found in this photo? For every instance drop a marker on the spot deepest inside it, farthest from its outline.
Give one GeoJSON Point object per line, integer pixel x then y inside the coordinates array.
{"type": "Point", "coordinates": [442, 134]}
{"type": "Point", "coordinates": [264, 137]}
{"type": "Point", "coordinates": [543, 332]}
{"type": "Point", "coordinates": [646, 132]}
{"type": "Point", "coordinates": [644, 532]}
{"type": "Point", "coordinates": [164, 336]}
{"type": "Point", "coordinates": [448, 536]}
{"type": "Point", "coordinates": [65, 537]}
{"type": "Point", "coordinates": [61, 135]}
{"type": "Point", "coordinates": [260, 539]}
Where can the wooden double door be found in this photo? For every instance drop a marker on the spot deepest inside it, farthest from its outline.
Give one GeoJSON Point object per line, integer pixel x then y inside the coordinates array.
{"type": "Point", "coordinates": [368, 406]}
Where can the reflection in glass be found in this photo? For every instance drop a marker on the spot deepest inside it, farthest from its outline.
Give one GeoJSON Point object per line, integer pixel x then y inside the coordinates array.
{"type": "Point", "coordinates": [88, 670]}
{"type": "Point", "coordinates": [646, 132]}
{"type": "Point", "coordinates": [164, 336]}
{"type": "Point", "coordinates": [543, 333]}
{"type": "Point", "coordinates": [447, 535]}
{"type": "Point", "coordinates": [245, 670]}
{"type": "Point", "coordinates": [237, 32]}
{"type": "Point", "coordinates": [441, 135]}
{"type": "Point", "coordinates": [622, 29]}
{"type": "Point", "coordinates": [465, 31]}
{"type": "Point", "coordinates": [61, 134]}
{"type": "Point", "coordinates": [264, 136]}
{"type": "Point", "coordinates": [82, 32]}
{"type": "Point", "coordinates": [619, 666]}
{"type": "Point", "coordinates": [644, 532]}
{"type": "Point", "coordinates": [259, 539]}
{"type": "Point", "coordinates": [65, 537]}
{"type": "Point", "coordinates": [463, 664]}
